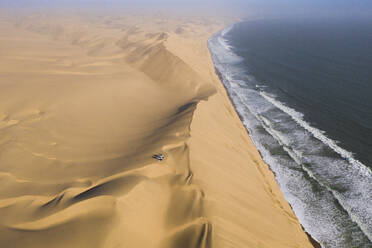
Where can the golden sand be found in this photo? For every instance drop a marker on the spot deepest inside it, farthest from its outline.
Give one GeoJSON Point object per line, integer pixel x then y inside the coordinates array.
{"type": "Point", "coordinates": [85, 101]}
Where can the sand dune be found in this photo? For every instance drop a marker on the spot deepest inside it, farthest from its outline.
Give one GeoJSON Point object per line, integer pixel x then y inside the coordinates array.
{"type": "Point", "coordinates": [85, 103]}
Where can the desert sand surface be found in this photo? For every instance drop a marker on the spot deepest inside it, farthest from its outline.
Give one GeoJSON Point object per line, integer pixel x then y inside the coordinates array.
{"type": "Point", "coordinates": [86, 100]}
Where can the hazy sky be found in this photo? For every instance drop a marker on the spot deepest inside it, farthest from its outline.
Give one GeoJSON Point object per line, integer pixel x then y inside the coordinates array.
{"type": "Point", "coordinates": [262, 8]}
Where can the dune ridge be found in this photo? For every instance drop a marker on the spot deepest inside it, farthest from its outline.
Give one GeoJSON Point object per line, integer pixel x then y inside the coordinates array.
{"type": "Point", "coordinates": [98, 197]}
{"type": "Point", "coordinates": [86, 102]}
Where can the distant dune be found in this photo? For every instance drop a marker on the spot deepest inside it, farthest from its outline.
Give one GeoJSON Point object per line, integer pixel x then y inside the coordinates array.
{"type": "Point", "coordinates": [86, 101]}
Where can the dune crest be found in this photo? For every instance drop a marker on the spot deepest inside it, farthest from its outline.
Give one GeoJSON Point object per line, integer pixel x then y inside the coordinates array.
{"type": "Point", "coordinates": [104, 140]}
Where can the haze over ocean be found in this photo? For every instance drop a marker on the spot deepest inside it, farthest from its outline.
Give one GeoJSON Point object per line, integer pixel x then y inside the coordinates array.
{"type": "Point", "coordinates": [246, 8]}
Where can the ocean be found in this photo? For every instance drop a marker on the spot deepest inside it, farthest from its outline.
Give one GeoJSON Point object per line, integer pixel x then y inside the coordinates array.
{"type": "Point", "coordinates": [303, 90]}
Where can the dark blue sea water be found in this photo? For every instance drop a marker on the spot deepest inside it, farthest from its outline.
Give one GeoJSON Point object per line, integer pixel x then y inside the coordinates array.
{"type": "Point", "coordinates": [303, 89]}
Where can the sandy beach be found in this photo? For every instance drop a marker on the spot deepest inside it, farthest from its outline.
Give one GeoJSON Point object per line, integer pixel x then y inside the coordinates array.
{"type": "Point", "coordinates": [88, 99]}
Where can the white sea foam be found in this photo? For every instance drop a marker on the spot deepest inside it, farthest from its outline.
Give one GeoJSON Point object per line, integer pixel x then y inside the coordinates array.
{"type": "Point", "coordinates": [298, 117]}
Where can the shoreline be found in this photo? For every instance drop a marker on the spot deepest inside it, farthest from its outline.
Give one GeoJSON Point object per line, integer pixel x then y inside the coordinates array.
{"type": "Point", "coordinates": [314, 242]}
{"type": "Point", "coordinates": [263, 173]}
{"type": "Point", "coordinates": [275, 126]}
